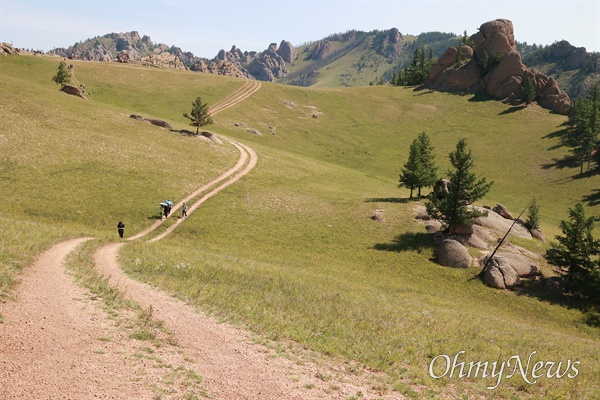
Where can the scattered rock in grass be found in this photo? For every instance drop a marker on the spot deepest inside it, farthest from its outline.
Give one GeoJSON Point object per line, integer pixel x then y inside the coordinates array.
{"type": "Point", "coordinates": [161, 123]}
{"type": "Point", "coordinates": [254, 132]}
{"type": "Point", "coordinates": [212, 137]}
{"type": "Point", "coordinates": [378, 215]}
{"type": "Point", "coordinates": [451, 253]}
{"type": "Point", "coordinates": [139, 118]}
{"type": "Point", "coordinates": [72, 90]}
{"type": "Point", "coordinates": [153, 121]}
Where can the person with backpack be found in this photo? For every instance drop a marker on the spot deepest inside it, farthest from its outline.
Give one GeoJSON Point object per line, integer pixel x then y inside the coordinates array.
{"type": "Point", "coordinates": [121, 228]}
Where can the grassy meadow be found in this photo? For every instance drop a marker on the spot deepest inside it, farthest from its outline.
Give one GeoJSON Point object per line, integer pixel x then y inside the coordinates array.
{"type": "Point", "coordinates": [290, 251]}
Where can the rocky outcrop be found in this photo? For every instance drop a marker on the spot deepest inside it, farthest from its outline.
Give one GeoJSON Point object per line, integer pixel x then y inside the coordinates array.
{"type": "Point", "coordinates": [265, 66]}
{"type": "Point", "coordinates": [7, 49]}
{"type": "Point", "coordinates": [127, 47]}
{"type": "Point", "coordinates": [391, 45]}
{"type": "Point", "coordinates": [287, 52]}
{"type": "Point", "coordinates": [494, 65]}
{"type": "Point", "coordinates": [268, 65]}
{"type": "Point", "coordinates": [220, 67]}
{"type": "Point", "coordinates": [321, 51]}
{"type": "Point", "coordinates": [163, 60]}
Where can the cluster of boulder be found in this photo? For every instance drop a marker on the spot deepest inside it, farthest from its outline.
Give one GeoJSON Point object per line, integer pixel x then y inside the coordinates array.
{"type": "Point", "coordinates": [265, 66]}
{"type": "Point", "coordinates": [491, 63]}
{"type": "Point", "coordinates": [508, 266]}
{"type": "Point", "coordinates": [131, 47]}
{"type": "Point", "coordinates": [8, 49]}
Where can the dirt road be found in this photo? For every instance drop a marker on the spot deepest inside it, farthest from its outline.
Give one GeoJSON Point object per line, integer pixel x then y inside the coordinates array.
{"type": "Point", "coordinates": [56, 343]}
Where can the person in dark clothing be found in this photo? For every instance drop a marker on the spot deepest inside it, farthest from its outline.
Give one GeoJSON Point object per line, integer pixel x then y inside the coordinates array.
{"type": "Point", "coordinates": [121, 228]}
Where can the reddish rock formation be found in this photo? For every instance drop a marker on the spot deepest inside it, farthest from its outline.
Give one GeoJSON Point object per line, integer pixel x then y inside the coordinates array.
{"type": "Point", "coordinates": [495, 67]}
{"type": "Point", "coordinates": [322, 50]}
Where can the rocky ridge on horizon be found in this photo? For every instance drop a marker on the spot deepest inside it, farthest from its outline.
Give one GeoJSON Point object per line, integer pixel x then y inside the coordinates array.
{"type": "Point", "coordinates": [131, 47]}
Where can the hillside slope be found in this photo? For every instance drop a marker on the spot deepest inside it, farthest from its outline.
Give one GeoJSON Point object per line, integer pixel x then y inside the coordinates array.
{"type": "Point", "coordinates": [291, 252]}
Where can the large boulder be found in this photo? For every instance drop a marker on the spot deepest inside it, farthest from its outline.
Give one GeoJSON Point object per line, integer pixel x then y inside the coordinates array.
{"type": "Point", "coordinates": [501, 275]}
{"type": "Point", "coordinates": [75, 91]}
{"type": "Point", "coordinates": [451, 253]}
{"type": "Point", "coordinates": [502, 211]}
{"type": "Point", "coordinates": [507, 77]}
{"type": "Point", "coordinates": [498, 38]}
{"type": "Point", "coordinates": [523, 266]}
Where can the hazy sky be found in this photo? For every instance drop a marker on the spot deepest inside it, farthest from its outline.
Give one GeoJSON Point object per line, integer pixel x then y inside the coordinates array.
{"type": "Point", "coordinates": [205, 27]}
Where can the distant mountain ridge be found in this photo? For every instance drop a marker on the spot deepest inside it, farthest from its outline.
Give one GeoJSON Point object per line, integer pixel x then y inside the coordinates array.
{"type": "Point", "coordinates": [353, 58]}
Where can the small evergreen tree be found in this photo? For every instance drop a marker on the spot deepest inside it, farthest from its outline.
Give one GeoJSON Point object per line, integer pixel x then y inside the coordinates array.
{"type": "Point", "coordinates": [464, 188]}
{"type": "Point", "coordinates": [199, 115]}
{"type": "Point", "coordinates": [427, 159]}
{"type": "Point", "coordinates": [413, 168]}
{"type": "Point", "coordinates": [576, 253]}
{"type": "Point", "coordinates": [528, 93]}
{"type": "Point", "coordinates": [420, 169]}
{"type": "Point", "coordinates": [533, 216]}
{"type": "Point", "coordinates": [63, 76]}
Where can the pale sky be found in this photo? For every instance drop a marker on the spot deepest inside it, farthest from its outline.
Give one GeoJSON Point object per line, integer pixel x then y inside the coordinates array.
{"type": "Point", "coordinates": [204, 26]}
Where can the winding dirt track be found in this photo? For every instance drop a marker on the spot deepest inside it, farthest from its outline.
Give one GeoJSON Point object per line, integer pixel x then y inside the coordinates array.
{"type": "Point", "coordinates": [50, 337]}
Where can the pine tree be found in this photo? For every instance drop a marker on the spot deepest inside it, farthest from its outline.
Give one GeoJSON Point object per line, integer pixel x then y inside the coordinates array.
{"type": "Point", "coordinates": [576, 253]}
{"type": "Point", "coordinates": [533, 216]}
{"type": "Point", "coordinates": [464, 188]}
{"type": "Point", "coordinates": [410, 174]}
{"type": "Point", "coordinates": [584, 122]}
{"type": "Point", "coordinates": [63, 76]}
{"type": "Point", "coordinates": [528, 93]}
{"type": "Point", "coordinates": [427, 159]}
{"type": "Point", "coordinates": [420, 169]}
{"type": "Point", "coordinates": [199, 115]}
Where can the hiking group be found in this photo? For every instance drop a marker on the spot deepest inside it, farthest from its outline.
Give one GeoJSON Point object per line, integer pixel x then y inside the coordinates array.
{"type": "Point", "coordinates": [165, 209]}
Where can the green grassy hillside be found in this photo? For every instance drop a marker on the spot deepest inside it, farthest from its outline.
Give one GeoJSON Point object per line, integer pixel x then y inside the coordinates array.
{"type": "Point", "coordinates": [290, 251]}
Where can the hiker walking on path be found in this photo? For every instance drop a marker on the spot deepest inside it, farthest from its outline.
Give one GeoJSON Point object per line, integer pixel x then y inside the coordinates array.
{"type": "Point", "coordinates": [121, 228]}
{"type": "Point", "coordinates": [184, 210]}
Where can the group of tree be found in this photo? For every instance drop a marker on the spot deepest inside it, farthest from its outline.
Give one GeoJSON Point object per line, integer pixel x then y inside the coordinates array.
{"type": "Point", "coordinates": [420, 169]}
{"type": "Point", "coordinates": [584, 124]}
{"type": "Point", "coordinates": [418, 70]}
{"type": "Point", "coordinates": [464, 187]}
